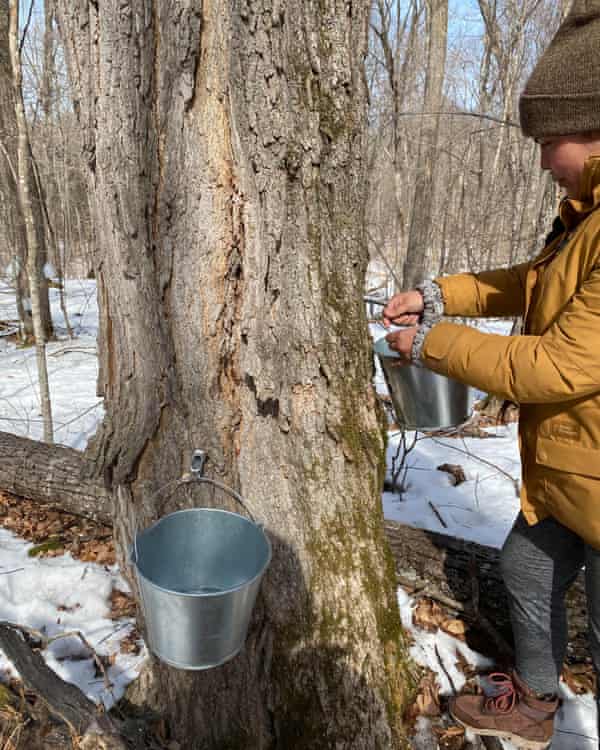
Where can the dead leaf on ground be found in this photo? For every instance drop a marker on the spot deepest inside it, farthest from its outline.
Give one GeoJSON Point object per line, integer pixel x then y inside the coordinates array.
{"type": "Point", "coordinates": [450, 738]}
{"type": "Point", "coordinates": [54, 532]}
{"type": "Point", "coordinates": [454, 627]}
{"type": "Point", "coordinates": [101, 552]}
{"type": "Point", "coordinates": [457, 473]}
{"type": "Point", "coordinates": [131, 644]}
{"type": "Point", "coordinates": [426, 701]}
{"type": "Point", "coordinates": [580, 678]}
{"type": "Point", "coordinates": [121, 605]}
{"type": "Point", "coordinates": [465, 667]}
{"type": "Point", "coordinates": [428, 697]}
{"type": "Point", "coordinates": [428, 615]}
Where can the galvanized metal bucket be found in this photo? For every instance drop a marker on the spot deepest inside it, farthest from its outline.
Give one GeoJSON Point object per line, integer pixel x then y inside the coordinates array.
{"type": "Point", "coordinates": [199, 572]}
{"type": "Point", "coordinates": [422, 399]}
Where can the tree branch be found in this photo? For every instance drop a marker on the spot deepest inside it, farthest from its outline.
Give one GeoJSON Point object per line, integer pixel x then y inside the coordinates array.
{"type": "Point", "coordinates": [477, 115]}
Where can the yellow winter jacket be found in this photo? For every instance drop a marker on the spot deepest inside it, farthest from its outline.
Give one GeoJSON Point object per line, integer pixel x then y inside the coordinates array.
{"type": "Point", "coordinates": [552, 370]}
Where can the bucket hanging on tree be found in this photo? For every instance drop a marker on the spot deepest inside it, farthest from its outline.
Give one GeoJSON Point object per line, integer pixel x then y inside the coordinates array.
{"type": "Point", "coordinates": [199, 571]}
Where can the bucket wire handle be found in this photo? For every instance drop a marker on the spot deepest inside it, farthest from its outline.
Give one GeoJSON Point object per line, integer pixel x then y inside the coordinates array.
{"type": "Point", "coordinates": [197, 471]}
{"type": "Point", "coordinates": [197, 475]}
{"type": "Point", "coordinates": [162, 489]}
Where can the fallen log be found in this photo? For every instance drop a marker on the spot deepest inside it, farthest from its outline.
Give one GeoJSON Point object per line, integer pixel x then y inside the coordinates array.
{"type": "Point", "coordinates": [52, 474]}
{"type": "Point", "coordinates": [465, 576]}
{"type": "Point", "coordinates": [65, 701]}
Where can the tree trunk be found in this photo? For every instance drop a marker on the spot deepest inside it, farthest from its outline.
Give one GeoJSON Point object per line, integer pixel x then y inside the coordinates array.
{"type": "Point", "coordinates": [35, 251]}
{"type": "Point", "coordinates": [14, 228]}
{"type": "Point", "coordinates": [49, 69]}
{"type": "Point", "coordinates": [226, 144]}
{"type": "Point", "coordinates": [423, 208]}
{"type": "Point", "coordinates": [9, 171]}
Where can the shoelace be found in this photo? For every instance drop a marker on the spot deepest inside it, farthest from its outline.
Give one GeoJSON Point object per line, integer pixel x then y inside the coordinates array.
{"type": "Point", "coordinates": [505, 696]}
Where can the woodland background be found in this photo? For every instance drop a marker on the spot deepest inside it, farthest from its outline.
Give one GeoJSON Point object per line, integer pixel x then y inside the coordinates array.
{"type": "Point", "coordinates": [453, 185]}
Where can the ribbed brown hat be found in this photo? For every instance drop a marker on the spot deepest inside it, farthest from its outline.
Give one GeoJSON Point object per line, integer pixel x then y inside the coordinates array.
{"type": "Point", "coordinates": [562, 95]}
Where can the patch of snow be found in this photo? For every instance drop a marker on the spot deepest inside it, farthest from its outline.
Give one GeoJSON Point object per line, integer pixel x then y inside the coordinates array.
{"type": "Point", "coordinates": [72, 372]}
{"type": "Point", "coordinates": [49, 271]}
{"type": "Point", "coordinates": [481, 509]}
{"type": "Point", "coordinates": [59, 595]}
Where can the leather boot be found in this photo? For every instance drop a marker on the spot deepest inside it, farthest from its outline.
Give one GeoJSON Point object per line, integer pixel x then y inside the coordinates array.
{"type": "Point", "coordinates": [512, 712]}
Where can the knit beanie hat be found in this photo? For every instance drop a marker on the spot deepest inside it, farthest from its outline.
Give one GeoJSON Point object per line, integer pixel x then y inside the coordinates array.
{"type": "Point", "coordinates": [562, 95]}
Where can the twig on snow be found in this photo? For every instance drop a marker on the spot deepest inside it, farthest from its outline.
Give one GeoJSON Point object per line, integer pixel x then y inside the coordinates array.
{"type": "Point", "coordinates": [437, 514]}
{"type": "Point", "coordinates": [445, 671]}
{"type": "Point", "coordinates": [45, 642]}
{"type": "Point", "coordinates": [515, 482]}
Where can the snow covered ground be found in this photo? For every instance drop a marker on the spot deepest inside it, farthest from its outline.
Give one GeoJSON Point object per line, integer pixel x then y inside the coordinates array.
{"type": "Point", "coordinates": [61, 594]}
{"type": "Point", "coordinates": [43, 592]}
{"type": "Point", "coordinates": [72, 371]}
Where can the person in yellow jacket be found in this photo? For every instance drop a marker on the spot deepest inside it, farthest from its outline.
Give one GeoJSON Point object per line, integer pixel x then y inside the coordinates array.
{"type": "Point", "coordinates": [552, 370]}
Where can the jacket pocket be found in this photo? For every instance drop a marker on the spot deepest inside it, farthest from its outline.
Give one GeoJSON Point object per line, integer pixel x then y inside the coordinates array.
{"type": "Point", "coordinates": [435, 347]}
{"type": "Point", "coordinates": [573, 459]}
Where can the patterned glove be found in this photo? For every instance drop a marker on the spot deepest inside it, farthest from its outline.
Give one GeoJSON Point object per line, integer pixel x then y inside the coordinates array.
{"type": "Point", "coordinates": [433, 311]}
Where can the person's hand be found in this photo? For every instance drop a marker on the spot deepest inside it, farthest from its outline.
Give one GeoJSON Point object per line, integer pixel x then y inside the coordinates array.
{"type": "Point", "coordinates": [403, 309]}
{"type": "Point", "coordinates": [401, 342]}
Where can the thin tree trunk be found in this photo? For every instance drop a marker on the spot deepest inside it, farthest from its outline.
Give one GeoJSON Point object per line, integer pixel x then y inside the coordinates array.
{"type": "Point", "coordinates": [9, 180]}
{"type": "Point", "coordinates": [47, 97]}
{"type": "Point", "coordinates": [399, 51]}
{"type": "Point", "coordinates": [400, 76]}
{"type": "Point", "coordinates": [52, 242]}
{"type": "Point", "coordinates": [423, 207]}
{"type": "Point", "coordinates": [49, 69]}
{"type": "Point", "coordinates": [24, 170]}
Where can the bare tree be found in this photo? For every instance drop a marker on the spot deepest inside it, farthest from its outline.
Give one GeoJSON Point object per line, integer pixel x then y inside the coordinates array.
{"type": "Point", "coordinates": [14, 235]}
{"type": "Point", "coordinates": [49, 69]}
{"type": "Point", "coordinates": [422, 214]}
{"type": "Point", "coordinates": [398, 39]}
{"type": "Point", "coordinates": [14, 210]}
{"type": "Point", "coordinates": [488, 200]}
{"type": "Point", "coordinates": [226, 149]}
{"type": "Point", "coordinates": [34, 250]}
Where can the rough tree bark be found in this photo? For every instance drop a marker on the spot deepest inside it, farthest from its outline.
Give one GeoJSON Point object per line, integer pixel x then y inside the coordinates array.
{"type": "Point", "coordinates": [53, 474]}
{"type": "Point", "coordinates": [226, 147]}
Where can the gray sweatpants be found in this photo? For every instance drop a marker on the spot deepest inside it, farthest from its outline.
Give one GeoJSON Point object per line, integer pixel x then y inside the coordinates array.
{"type": "Point", "coordinates": [539, 563]}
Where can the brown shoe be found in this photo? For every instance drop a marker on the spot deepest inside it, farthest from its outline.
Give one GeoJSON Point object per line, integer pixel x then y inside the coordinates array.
{"type": "Point", "coordinates": [513, 713]}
